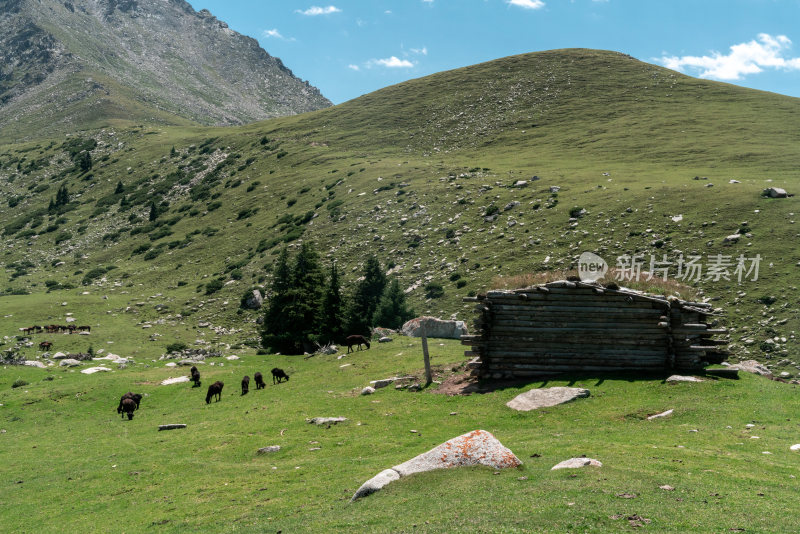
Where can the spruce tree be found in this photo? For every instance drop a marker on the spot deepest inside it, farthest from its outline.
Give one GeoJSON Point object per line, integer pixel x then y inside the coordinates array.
{"type": "Point", "coordinates": [153, 211]}
{"type": "Point", "coordinates": [120, 188]}
{"type": "Point", "coordinates": [274, 332]}
{"type": "Point", "coordinates": [305, 297]}
{"type": "Point", "coordinates": [365, 298]}
{"type": "Point", "coordinates": [62, 196]}
{"type": "Point", "coordinates": [331, 328]}
{"type": "Point", "coordinates": [392, 310]}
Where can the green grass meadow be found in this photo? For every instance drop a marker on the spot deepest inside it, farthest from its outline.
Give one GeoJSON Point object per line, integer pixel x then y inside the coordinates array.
{"type": "Point", "coordinates": [69, 462]}
{"type": "Point", "coordinates": [664, 165]}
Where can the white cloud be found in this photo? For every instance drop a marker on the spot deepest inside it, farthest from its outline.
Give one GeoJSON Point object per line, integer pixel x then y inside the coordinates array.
{"type": "Point", "coordinates": [314, 11]}
{"type": "Point", "coordinates": [391, 63]}
{"type": "Point", "coordinates": [353, 67]}
{"type": "Point", "coordinates": [428, 1]}
{"type": "Point", "coordinates": [527, 4]}
{"type": "Point", "coordinates": [275, 34]}
{"type": "Point", "coordinates": [745, 58]}
{"type": "Point", "coordinates": [423, 50]}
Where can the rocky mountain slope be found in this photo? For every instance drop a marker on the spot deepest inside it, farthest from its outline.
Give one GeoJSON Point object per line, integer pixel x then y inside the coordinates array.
{"type": "Point", "coordinates": [79, 64]}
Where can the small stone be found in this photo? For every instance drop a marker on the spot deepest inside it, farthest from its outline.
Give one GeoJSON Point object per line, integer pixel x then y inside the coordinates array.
{"type": "Point", "coordinates": [575, 463]}
{"type": "Point", "coordinates": [662, 414]}
{"type": "Point", "coordinates": [368, 390]}
{"type": "Point", "coordinates": [667, 487]}
{"type": "Point", "coordinates": [271, 448]}
{"type": "Point", "coordinates": [546, 397]}
{"type": "Point", "coordinates": [176, 380]}
{"type": "Point", "coordinates": [92, 370]}
{"type": "Point", "coordinates": [679, 378]}
{"type": "Point", "coordinates": [327, 420]}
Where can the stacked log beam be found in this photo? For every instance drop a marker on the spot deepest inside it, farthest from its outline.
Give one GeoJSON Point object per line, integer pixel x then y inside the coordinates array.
{"type": "Point", "coordinates": [579, 327]}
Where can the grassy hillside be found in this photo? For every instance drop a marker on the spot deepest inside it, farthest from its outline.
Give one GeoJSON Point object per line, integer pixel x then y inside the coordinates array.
{"type": "Point", "coordinates": [70, 461]}
{"type": "Point", "coordinates": [409, 173]}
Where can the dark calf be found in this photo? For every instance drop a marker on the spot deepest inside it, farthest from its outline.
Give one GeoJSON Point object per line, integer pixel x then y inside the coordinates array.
{"type": "Point", "coordinates": [195, 377]}
{"type": "Point", "coordinates": [356, 340]}
{"type": "Point", "coordinates": [279, 374]}
{"type": "Point", "coordinates": [259, 381]}
{"type": "Point", "coordinates": [245, 384]}
{"type": "Point", "coordinates": [214, 389]}
{"type": "Point", "coordinates": [128, 406]}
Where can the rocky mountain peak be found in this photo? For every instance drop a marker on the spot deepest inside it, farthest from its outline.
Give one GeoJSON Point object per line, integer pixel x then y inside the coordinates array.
{"type": "Point", "coordinates": [148, 60]}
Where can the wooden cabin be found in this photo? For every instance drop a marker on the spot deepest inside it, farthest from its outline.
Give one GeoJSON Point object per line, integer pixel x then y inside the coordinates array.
{"type": "Point", "coordinates": [577, 327]}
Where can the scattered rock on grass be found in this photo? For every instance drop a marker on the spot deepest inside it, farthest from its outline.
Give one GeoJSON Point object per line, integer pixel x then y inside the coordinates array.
{"type": "Point", "coordinates": [474, 448]}
{"type": "Point", "coordinates": [327, 420]}
{"type": "Point", "coordinates": [92, 370]}
{"type": "Point", "coordinates": [575, 463]}
{"type": "Point", "coordinates": [752, 366]}
{"type": "Point", "coordinates": [271, 448]}
{"type": "Point", "coordinates": [680, 378]}
{"type": "Point", "coordinates": [176, 380]}
{"type": "Point", "coordinates": [368, 390]}
{"type": "Point", "coordinates": [544, 397]}
{"type": "Point", "coordinates": [662, 414]}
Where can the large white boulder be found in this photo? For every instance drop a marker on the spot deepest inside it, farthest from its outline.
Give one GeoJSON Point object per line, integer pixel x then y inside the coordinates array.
{"type": "Point", "coordinates": [435, 328]}
{"type": "Point", "coordinates": [478, 447]}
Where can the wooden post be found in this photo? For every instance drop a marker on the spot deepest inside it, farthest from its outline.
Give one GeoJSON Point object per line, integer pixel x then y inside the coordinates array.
{"type": "Point", "coordinates": [425, 356]}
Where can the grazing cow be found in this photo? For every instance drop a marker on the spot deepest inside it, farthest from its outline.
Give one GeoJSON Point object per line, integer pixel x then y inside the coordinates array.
{"type": "Point", "coordinates": [45, 345]}
{"type": "Point", "coordinates": [259, 381]}
{"type": "Point", "coordinates": [127, 406]}
{"type": "Point", "coordinates": [135, 397]}
{"type": "Point", "coordinates": [356, 340]}
{"type": "Point", "coordinates": [214, 389]}
{"type": "Point", "coordinates": [195, 377]}
{"type": "Point", "coordinates": [279, 374]}
{"type": "Point", "coordinates": [85, 328]}
{"type": "Point", "coordinates": [245, 384]}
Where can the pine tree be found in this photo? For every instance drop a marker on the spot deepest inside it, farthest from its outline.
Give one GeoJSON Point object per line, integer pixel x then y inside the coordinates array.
{"type": "Point", "coordinates": [331, 328]}
{"type": "Point", "coordinates": [365, 298]}
{"type": "Point", "coordinates": [153, 211]}
{"type": "Point", "coordinates": [120, 188]}
{"type": "Point", "coordinates": [84, 161]}
{"type": "Point", "coordinates": [62, 196]}
{"type": "Point", "coordinates": [305, 297]}
{"type": "Point", "coordinates": [274, 333]}
{"type": "Point", "coordinates": [172, 152]}
{"type": "Point", "coordinates": [392, 310]}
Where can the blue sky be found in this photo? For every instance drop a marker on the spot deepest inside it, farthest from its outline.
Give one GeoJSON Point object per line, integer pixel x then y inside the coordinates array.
{"type": "Point", "coordinates": [347, 48]}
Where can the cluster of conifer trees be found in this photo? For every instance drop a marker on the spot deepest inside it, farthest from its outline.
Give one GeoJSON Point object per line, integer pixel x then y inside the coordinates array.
{"type": "Point", "coordinates": [307, 306]}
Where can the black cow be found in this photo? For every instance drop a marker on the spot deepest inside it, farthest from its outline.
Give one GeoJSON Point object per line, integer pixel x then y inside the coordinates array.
{"type": "Point", "coordinates": [135, 397]}
{"type": "Point", "coordinates": [279, 374]}
{"type": "Point", "coordinates": [214, 389]}
{"type": "Point", "coordinates": [259, 381]}
{"type": "Point", "coordinates": [195, 376]}
{"type": "Point", "coordinates": [245, 384]}
{"type": "Point", "coordinates": [128, 406]}
{"type": "Point", "coordinates": [356, 340]}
